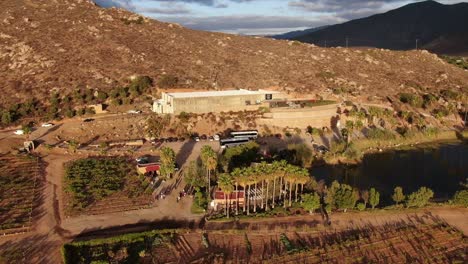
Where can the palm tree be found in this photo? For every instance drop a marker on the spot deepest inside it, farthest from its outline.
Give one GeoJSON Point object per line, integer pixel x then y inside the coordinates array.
{"type": "Point", "coordinates": [225, 182]}
{"type": "Point", "coordinates": [209, 161]}
{"type": "Point", "coordinates": [267, 177]}
{"type": "Point", "coordinates": [249, 175]}
{"type": "Point", "coordinates": [243, 181]}
{"type": "Point", "coordinates": [290, 177]}
{"type": "Point", "coordinates": [303, 178]}
{"type": "Point", "coordinates": [236, 173]}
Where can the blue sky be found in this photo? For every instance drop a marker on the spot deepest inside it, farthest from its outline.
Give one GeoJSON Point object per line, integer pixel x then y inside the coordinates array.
{"type": "Point", "coordinates": [257, 16]}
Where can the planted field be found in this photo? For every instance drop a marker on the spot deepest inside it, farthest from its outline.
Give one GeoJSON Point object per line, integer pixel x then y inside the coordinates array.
{"type": "Point", "coordinates": [20, 182]}
{"type": "Point", "coordinates": [399, 242]}
{"type": "Point", "coordinates": [104, 185]}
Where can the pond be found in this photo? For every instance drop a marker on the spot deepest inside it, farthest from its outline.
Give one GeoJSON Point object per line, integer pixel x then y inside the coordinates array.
{"type": "Point", "coordinates": [440, 166]}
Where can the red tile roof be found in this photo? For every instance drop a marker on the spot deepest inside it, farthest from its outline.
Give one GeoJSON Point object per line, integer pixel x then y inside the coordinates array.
{"type": "Point", "coordinates": [219, 195]}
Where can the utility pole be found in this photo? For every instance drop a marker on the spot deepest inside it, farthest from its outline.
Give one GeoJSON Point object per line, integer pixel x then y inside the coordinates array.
{"type": "Point", "coordinates": [417, 44]}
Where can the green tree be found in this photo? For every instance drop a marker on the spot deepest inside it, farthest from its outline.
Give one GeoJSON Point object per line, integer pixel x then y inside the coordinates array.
{"type": "Point", "coordinates": [73, 145]}
{"type": "Point", "coordinates": [102, 96]}
{"type": "Point", "coordinates": [193, 175]}
{"type": "Point", "coordinates": [461, 198]}
{"type": "Point", "coordinates": [398, 195]}
{"type": "Point", "coordinates": [155, 125]}
{"type": "Point", "coordinates": [225, 183]}
{"type": "Point", "coordinates": [69, 112]}
{"type": "Point", "coordinates": [27, 129]}
{"type": "Point", "coordinates": [311, 202]}
{"type": "Point", "coordinates": [301, 154]}
{"type": "Point", "coordinates": [374, 198]}
{"type": "Point", "coordinates": [345, 197]}
{"type": "Point", "coordinates": [419, 198]}
{"type": "Point", "coordinates": [209, 161]}
{"type": "Point", "coordinates": [361, 206]}
{"type": "Point", "coordinates": [6, 118]}
{"type": "Point", "coordinates": [331, 192]}
{"type": "Point", "coordinates": [167, 162]}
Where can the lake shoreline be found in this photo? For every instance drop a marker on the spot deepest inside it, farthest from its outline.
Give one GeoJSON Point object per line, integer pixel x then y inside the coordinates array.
{"type": "Point", "coordinates": [369, 146]}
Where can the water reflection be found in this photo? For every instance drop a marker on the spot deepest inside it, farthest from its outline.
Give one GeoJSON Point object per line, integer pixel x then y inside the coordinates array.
{"type": "Point", "coordinates": [439, 166]}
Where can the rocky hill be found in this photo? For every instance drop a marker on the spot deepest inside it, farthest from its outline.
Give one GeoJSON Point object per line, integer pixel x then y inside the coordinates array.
{"type": "Point", "coordinates": [437, 27]}
{"type": "Point", "coordinates": [60, 45]}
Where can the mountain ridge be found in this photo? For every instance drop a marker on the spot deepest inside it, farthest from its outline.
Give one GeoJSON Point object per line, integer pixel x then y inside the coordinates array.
{"type": "Point", "coordinates": [437, 27]}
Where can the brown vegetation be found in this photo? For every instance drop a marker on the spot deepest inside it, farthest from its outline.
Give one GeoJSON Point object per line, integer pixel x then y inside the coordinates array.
{"type": "Point", "coordinates": [66, 44]}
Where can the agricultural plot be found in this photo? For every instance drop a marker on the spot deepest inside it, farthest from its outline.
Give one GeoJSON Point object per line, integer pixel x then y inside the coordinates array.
{"type": "Point", "coordinates": [102, 185]}
{"type": "Point", "coordinates": [399, 242]}
{"type": "Point", "coordinates": [20, 184]}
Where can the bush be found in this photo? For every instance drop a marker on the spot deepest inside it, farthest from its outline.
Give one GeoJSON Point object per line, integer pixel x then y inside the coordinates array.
{"type": "Point", "coordinates": [380, 134]}
{"type": "Point", "coordinates": [411, 99]}
{"type": "Point", "coordinates": [140, 84]}
{"type": "Point", "coordinates": [429, 99]}
{"type": "Point", "coordinates": [461, 198]}
{"type": "Point", "coordinates": [361, 206]}
{"type": "Point", "coordinates": [440, 113]}
{"type": "Point", "coordinates": [168, 81]}
{"type": "Point", "coordinates": [450, 95]}
{"type": "Point", "coordinates": [419, 198]}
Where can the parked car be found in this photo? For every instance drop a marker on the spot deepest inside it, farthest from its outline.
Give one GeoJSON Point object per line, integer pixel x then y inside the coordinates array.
{"type": "Point", "coordinates": [210, 138]}
{"type": "Point", "coordinates": [19, 132]}
{"type": "Point", "coordinates": [181, 139]}
{"type": "Point", "coordinates": [216, 137]}
{"type": "Point", "coordinates": [196, 139]}
{"type": "Point", "coordinates": [87, 120]}
{"type": "Point", "coordinates": [203, 137]}
{"type": "Point", "coordinates": [47, 125]}
{"type": "Point", "coordinates": [134, 112]}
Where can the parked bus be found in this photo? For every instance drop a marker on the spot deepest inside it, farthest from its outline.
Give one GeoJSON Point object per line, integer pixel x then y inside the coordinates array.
{"type": "Point", "coordinates": [251, 134]}
{"type": "Point", "coordinates": [231, 142]}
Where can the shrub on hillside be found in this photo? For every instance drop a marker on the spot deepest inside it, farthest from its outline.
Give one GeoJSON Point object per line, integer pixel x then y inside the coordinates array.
{"type": "Point", "coordinates": [168, 81]}
{"type": "Point", "coordinates": [411, 99]}
{"type": "Point", "coordinates": [450, 94]}
{"type": "Point", "coordinates": [380, 134]}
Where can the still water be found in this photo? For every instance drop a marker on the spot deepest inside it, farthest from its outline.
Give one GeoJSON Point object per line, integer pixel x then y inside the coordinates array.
{"type": "Point", "coordinates": [439, 166]}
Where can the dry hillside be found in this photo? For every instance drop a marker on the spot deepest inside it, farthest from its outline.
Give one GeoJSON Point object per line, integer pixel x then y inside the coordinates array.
{"type": "Point", "coordinates": [64, 44]}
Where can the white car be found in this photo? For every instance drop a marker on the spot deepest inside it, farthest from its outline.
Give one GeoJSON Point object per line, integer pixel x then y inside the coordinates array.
{"type": "Point", "coordinates": [19, 132]}
{"type": "Point", "coordinates": [134, 112]}
{"type": "Point", "coordinates": [47, 125]}
{"type": "Point", "coordinates": [216, 137]}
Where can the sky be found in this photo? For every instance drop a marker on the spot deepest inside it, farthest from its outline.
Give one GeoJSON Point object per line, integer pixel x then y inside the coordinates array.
{"type": "Point", "coordinates": [257, 17]}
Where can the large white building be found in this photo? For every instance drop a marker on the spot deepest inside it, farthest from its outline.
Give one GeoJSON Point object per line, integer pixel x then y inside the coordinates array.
{"type": "Point", "coordinates": [214, 101]}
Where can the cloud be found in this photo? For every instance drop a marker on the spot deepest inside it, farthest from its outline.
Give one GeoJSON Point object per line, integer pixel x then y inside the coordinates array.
{"type": "Point", "coordinates": [165, 9]}
{"type": "Point", "coordinates": [250, 24]}
{"type": "Point", "coordinates": [351, 9]}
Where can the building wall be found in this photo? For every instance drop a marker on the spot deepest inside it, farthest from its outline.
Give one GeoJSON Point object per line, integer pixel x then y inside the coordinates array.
{"type": "Point", "coordinates": [320, 116]}
{"type": "Point", "coordinates": [217, 104]}
{"type": "Point", "coordinates": [224, 103]}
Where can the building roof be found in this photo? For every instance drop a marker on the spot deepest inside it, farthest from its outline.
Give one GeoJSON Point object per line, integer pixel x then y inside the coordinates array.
{"type": "Point", "coordinates": [219, 195]}
{"type": "Point", "coordinates": [220, 93]}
